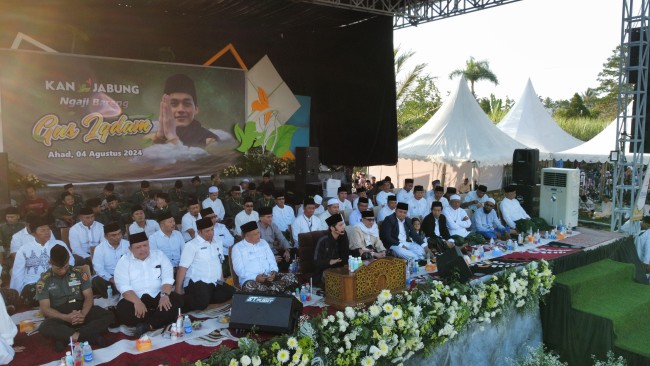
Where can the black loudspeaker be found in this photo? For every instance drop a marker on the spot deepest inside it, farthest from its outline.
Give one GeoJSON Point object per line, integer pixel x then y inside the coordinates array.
{"type": "Point", "coordinates": [528, 197]}
{"type": "Point", "coordinates": [307, 166]}
{"type": "Point", "coordinates": [525, 163]}
{"type": "Point", "coordinates": [4, 179]}
{"type": "Point", "coordinates": [268, 313]}
{"type": "Point", "coordinates": [635, 36]}
{"type": "Point", "coordinates": [451, 263]}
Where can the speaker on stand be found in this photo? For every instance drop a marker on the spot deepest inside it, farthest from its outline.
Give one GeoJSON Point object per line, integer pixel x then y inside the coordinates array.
{"type": "Point", "coordinates": [525, 166]}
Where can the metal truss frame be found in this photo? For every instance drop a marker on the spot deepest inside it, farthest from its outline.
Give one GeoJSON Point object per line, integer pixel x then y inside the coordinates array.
{"type": "Point", "coordinates": [627, 186]}
{"type": "Point", "coordinates": [408, 13]}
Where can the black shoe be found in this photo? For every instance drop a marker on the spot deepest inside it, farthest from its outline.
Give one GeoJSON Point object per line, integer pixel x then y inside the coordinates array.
{"type": "Point", "coordinates": [114, 323]}
{"type": "Point", "coordinates": [59, 346]}
{"type": "Point", "coordinates": [99, 342]}
{"type": "Point", "coordinates": [141, 329]}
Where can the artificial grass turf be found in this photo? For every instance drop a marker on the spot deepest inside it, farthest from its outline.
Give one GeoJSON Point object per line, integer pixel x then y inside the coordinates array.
{"type": "Point", "coordinates": [607, 289]}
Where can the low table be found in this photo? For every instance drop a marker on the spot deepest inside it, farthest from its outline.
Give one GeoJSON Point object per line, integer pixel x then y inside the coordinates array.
{"type": "Point", "coordinates": [344, 288]}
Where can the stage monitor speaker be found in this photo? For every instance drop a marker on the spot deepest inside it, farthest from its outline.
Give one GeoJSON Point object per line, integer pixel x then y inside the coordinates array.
{"type": "Point", "coordinates": [451, 263]}
{"type": "Point", "coordinates": [307, 167]}
{"type": "Point", "coordinates": [528, 197]}
{"type": "Point", "coordinates": [268, 313]}
{"type": "Point", "coordinates": [525, 164]}
{"type": "Point", "coordinates": [4, 179]}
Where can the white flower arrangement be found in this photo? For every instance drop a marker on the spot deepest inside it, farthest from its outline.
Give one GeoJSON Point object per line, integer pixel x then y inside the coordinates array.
{"type": "Point", "coordinates": [397, 326]}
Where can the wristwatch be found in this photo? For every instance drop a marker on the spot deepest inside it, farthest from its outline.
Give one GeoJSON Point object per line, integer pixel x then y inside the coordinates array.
{"type": "Point", "coordinates": [163, 294]}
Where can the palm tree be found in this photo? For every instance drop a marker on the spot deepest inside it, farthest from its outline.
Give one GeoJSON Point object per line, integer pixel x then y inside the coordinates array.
{"type": "Point", "coordinates": [404, 85]}
{"type": "Point", "coordinates": [475, 71]}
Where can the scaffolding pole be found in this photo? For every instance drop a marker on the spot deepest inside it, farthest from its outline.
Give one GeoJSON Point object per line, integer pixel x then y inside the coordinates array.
{"type": "Point", "coordinates": [632, 86]}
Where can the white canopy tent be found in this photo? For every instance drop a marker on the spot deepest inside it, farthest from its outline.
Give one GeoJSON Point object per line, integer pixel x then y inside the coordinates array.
{"type": "Point", "coordinates": [458, 141]}
{"type": "Point", "coordinates": [598, 148]}
{"type": "Point", "coordinates": [529, 123]}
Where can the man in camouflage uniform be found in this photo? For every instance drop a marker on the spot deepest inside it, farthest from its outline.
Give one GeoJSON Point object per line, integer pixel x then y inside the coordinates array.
{"type": "Point", "coordinates": [65, 298]}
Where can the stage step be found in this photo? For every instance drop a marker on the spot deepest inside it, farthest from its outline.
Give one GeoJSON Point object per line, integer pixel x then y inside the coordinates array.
{"type": "Point", "coordinates": [607, 289]}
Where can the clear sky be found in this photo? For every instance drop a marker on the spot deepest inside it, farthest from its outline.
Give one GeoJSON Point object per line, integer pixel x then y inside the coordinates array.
{"type": "Point", "coordinates": [560, 45]}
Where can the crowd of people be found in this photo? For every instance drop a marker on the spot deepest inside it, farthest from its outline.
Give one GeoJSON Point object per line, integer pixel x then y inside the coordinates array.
{"type": "Point", "coordinates": [164, 251]}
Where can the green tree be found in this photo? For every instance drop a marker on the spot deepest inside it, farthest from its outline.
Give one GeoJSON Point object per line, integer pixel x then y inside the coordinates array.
{"type": "Point", "coordinates": [418, 97]}
{"type": "Point", "coordinates": [475, 71]}
{"type": "Point", "coordinates": [407, 78]}
{"type": "Point", "coordinates": [607, 90]}
{"type": "Point", "coordinates": [495, 108]}
{"type": "Point", "coordinates": [575, 108]}
{"type": "Point", "coordinates": [418, 106]}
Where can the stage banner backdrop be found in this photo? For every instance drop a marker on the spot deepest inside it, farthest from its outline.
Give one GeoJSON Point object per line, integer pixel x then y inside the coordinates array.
{"type": "Point", "coordinates": [69, 118]}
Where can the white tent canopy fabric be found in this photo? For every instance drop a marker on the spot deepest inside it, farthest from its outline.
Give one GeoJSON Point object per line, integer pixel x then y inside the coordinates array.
{"type": "Point", "coordinates": [529, 123]}
{"type": "Point", "coordinates": [460, 132]}
{"type": "Point", "coordinates": [598, 148]}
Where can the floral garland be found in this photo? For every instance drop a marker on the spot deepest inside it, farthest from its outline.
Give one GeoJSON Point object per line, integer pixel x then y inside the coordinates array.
{"type": "Point", "coordinates": [395, 327]}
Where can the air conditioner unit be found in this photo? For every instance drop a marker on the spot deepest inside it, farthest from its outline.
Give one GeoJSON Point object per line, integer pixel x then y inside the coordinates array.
{"type": "Point", "coordinates": [558, 197]}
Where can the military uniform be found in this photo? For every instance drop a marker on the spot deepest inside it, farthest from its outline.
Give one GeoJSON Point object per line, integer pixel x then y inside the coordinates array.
{"type": "Point", "coordinates": [7, 232]}
{"type": "Point", "coordinates": [233, 207]}
{"type": "Point", "coordinates": [201, 192]}
{"type": "Point", "coordinates": [66, 295]}
{"type": "Point", "coordinates": [171, 208]}
{"type": "Point", "coordinates": [178, 196]}
{"type": "Point", "coordinates": [262, 202]}
{"type": "Point", "coordinates": [118, 215]}
{"type": "Point", "coordinates": [62, 214]}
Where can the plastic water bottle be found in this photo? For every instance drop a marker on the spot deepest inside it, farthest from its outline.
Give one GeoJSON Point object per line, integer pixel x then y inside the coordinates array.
{"type": "Point", "coordinates": [78, 355]}
{"type": "Point", "coordinates": [559, 227]}
{"type": "Point", "coordinates": [88, 353]}
{"type": "Point", "coordinates": [481, 252]}
{"type": "Point", "coordinates": [303, 294]}
{"type": "Point", "coordinates": [69, 360]}
{"type": "Point", "coordinates": [109, 292]}
{"type": "Point", "coordinates": [179, 323]}
{"type": "Point", "coordinates": [174, 332]}
{"type": "Point", "coordinates": [509, 244]}
{"type": "Point", "coordinates": [408, 274]}
{"type": "Point", "coordinates": [350, 264]}
{"type": "Point", "coordinates": [187, 325]}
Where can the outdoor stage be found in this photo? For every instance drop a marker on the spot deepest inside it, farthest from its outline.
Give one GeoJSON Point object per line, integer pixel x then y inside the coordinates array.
{"type": "Point", "coordinates": [476, 344]}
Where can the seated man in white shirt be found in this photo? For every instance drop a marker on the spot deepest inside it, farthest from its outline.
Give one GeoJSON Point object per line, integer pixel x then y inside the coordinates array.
{"type": "Point", "coordinates": [248, 214]}
{"type": "Point", "coordinates": [406, 193]}
{"type": "Point", "coordinates": [430, 194]}
{"type": "Point", "coordinates": [222, 233]}
{"type": "Point", "coordinates": [344, 203]}
{"type": "Point", "coordinates": [319, 208]}
{"type": "Point", "coordinates": [439, 196]}
{"type": "Point", "coordinates": [214, 202]}
{"type": "Point", "coordinates": [355, 216]}
{"type": "Point", "coordinates": [85, 236]}
{"type": "Point", "coordinates": [459, 223]}
{"type": "Point", "coordinates": [389, 209]}
{"type": "Point", "coordinates": [332, 209]}
{"type": "Point", "coordinates": [475, 199]}
{"type": "Point", "coordinates": [382, 195]}
{"type": "Point", "coordinates": [307, 222]}
{"type": "Point", "coordinates": [140, 222]}
{"type": "Point", "coordinates": [145, 277]}
{"type": "Point", "coordinates": [486, 222]}
{"type": "Point", "coordinates": [605, 208]}
{"type": "Point", "coordinates": [105, 258]}
{"type": "Point", "coordinates": [168, 240]}
{"type": "Point", "coordinates": [516, 217]}
{"type": "Point", "coordinates": [32, 259]}
{"type": "Point", "coordinates": [364, 240]}
{"type": "Point", "coordinates": [255, 264]}
{"type": "Point", "coordinates": [465, 186]}
{"type": "Point", "coordinates": [362, 192]}
{"type": "Point", "coordinates": [418, 206]}
{"type": "Point", "coordinates": [23, 236]}
{"type": "Point", "coordinates": [199, 276]}
{"type": "Point", "coordinates": [188, 222]}
{"type": "Point", "coordinates": [283, 215]}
